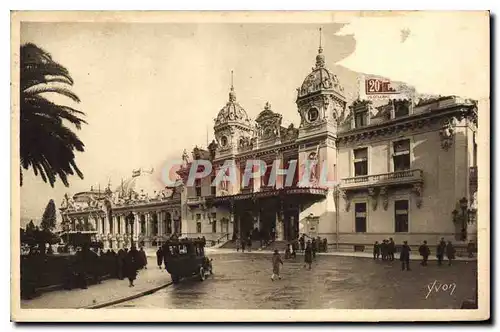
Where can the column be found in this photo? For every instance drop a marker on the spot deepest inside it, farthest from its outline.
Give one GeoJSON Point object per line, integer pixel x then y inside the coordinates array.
{"type": "Point", "coordinates": [148, 228]}
{"type": "Point", "coordinates": [136, 225]}
{"type": "Point", "coordinates": [160, 222]}
{"type": "Point", "coordinates": [279, 226]}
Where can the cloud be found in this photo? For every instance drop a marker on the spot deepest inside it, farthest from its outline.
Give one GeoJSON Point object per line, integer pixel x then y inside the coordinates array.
{"type": "Point", "coordinates": [444, 53]}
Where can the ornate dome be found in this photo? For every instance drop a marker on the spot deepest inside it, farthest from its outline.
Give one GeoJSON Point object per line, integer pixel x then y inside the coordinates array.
{"type": "Point", "coordinates": [232, 112]}
{"type": "Point", "coordinates": [320, 79]}
{"type": "Point", "coordinates": [141, 182]}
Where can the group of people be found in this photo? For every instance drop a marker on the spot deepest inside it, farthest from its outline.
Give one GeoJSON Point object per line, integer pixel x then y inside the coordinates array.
{"type": "Point", "coordinates": [95, 263]}
{"type": "Point", "coordinates": [317, 244]}
{"type": "Point", "coordinates": [387, 248]}
{"type": "Point", "coordinates": [309, 256]}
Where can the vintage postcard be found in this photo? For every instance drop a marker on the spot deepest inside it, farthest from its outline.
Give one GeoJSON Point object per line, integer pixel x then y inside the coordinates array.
{"type": "Point", "coordinates": [250, 166]}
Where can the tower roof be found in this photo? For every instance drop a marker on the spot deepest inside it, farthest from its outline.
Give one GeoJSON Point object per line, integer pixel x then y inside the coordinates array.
{"type": "Point", "coordinates": [320, 79]}
{"type": "Point", "coordinates": [232, 112]}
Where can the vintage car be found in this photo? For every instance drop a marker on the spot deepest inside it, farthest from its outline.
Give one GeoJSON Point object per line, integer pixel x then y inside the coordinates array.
{"type": "Point", "coordinates": [186, 258]}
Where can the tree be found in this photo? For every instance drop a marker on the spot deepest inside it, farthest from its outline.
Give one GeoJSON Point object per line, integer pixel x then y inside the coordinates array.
{"type": "Point", "coordinates": [46, 143]}
{"type": "Point", "coordinates": [49, 217]}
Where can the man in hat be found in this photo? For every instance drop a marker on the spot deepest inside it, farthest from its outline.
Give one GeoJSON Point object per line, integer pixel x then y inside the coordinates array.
{"type": "Point", "coordinates": [277, 262]}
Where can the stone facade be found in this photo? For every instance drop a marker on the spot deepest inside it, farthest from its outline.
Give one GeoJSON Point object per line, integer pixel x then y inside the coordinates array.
{"type": "Point", "coordinates": [401, 169]}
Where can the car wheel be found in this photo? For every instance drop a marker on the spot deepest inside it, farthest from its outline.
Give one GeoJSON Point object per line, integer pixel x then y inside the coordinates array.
{"type": "Point", "coordinates": [202, 274]}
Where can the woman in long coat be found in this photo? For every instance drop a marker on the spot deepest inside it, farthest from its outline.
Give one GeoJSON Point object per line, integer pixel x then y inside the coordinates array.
{"type": "Point", "coordinates": [308, 255]}
{"type": "Point", "coordinates": [277, 262]}
{"type": "Point", "coordinates": [132, 264]}
{"type": "Point", "coordinates": [450, 252]}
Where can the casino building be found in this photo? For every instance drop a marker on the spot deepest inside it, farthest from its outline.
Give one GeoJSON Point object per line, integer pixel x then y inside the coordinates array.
{"type": "Point", "coordinates": [404, 169]}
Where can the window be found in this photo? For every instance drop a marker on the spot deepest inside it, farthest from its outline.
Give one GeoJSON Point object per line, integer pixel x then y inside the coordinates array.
{"type": "Point", "coordinates": [360, 217]}
{"type": "Point", "coordinates": [474, 151]}
{"type": "Point", "coordinates": [361, 162]}
{"type": "Point", "coordinates": [267, 174]}
{"type": "Point", "coordinates": [198, 227]}
{"type": "Point", "coordinates": [223, 141]}
{"type": "Point", "coordinates": [361, 119]}
{"type": "Point", "coordinates": [168, 217]}
{"type": "Point", "coordinates": [312, 115]}
{"type": "Point", "coordinates": [401, 109]}
{"type": "Point", "coordinates": [213, 188]}
{"type": "Point", "coordinates": [118, 228]}
{"type": "Point", "coordinates": [401, 156]}
{"type": "Point", "coordinates": [401, 216]}
{"type": "Point", "coordinates": [198, 187]}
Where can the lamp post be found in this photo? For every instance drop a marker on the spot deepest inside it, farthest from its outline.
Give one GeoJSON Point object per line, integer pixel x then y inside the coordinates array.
{"type": "Point", "coordinates": [465, 216]}
{"type": "Point", "coordinates": [130, 220]}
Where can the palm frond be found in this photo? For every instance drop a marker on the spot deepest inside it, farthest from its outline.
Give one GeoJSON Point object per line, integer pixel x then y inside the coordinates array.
{"type": "Point", "coordinates": [46, 144]}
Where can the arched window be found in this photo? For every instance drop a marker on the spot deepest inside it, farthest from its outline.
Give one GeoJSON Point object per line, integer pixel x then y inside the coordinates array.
{"type": "Point", "coordinates": [143, 224]}
{"type": "Point", "coordinates": [168, 221]}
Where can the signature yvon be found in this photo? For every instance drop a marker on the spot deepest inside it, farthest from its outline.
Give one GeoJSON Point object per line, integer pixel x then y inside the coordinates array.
{"type": "Point", "coordinates": [438, 287]}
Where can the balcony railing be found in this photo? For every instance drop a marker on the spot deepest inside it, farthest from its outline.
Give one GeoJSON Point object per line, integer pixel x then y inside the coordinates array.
{"type": "Point", "coordinates": [246, 190]}
{"type": "Point", "coordinates": [385, 179]}
{"type": "Point", "coordinates": [195, 200]}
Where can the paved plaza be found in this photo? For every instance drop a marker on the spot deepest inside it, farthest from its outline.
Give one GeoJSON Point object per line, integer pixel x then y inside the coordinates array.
{"type": "Point", "coordinates": [242, 281]}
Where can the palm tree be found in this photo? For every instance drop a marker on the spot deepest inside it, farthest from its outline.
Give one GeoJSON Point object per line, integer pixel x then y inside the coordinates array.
{"type": "Point", "coordinates": [46, 143]}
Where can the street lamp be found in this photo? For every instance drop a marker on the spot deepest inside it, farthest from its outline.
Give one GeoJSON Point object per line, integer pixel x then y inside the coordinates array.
{"type": "Point", "coordinates": [467, 216]}
{"type": "Point", "coordinates": [130, 220]}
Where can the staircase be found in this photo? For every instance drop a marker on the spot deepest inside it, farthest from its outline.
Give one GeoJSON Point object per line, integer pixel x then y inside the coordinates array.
{"type": "Point", "coordinates": [277, 245]}
{"type": "Point", "coordinates": [280, 245]}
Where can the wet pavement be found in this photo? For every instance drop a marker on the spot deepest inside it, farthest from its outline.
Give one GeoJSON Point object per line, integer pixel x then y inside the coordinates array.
{"type": "Point", "coordinates": [243, 281]}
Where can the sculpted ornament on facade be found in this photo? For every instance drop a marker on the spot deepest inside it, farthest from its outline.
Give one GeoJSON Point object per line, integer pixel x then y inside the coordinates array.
{"type": "Point", "coordinates": [417, 190]}
{"type": "Point", "coordinates": [447, 133]}
{"type": "Point", "coordinates": [384, 195]}
{"type": "Point", "coordinates": [373, 197]}
{"type": "Point", "coordinates": [347, 200]}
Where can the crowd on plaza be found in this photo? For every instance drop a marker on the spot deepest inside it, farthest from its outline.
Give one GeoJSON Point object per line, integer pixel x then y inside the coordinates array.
{"type": "Point", "coordinates": [387, 249]}
{"type": "Point", "coordinates": [88, 265]}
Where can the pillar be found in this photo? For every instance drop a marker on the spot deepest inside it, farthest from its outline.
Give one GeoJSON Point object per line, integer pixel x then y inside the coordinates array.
{"type": "Point", "coordinates": [160, 222]}
{"type": "Point", "coordinates": [148, 228]}
{"type": "Point", "coordinates": [279, 226]}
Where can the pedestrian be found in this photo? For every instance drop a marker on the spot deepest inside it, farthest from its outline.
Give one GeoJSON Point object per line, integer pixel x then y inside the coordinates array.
{"type": "Point", "coordinates": [144, 259]}
{"type": "Point", "coordinates": [277, 262]}
{"type": "Point", "coordinates": [424, 251]}
{"type": "Point", "coordinates": [249, 243]}
{"type": "Point", "coordinates": [243, 245]}
{"type": "Point", "coordinates": [133, 262]}
{"type": "Point", "coordinates": [288, 251]}
{"type": "Point", "coordinates": [325, 245]}
{"type": "Point", "coordinates": [404, 257]}
{"type": "Point", "coordinates": [238, 243]}
{"type": "Point", "coordinates": [391, 249]}
{"type": "Point", "coordinates": [440, 251]}
{"type": "Point", "coordinates": [159, 257]}
{"type": "Point", "coordinates": [308, 254]}
{"type": "Point", "coordinates": [313, 247]}
{"type": "Point", "coordinates": [383, 249]}
{"type": "Point", "coordinates": [376, 250]}
{"type": "Point", "coordinates": [450, 252]}
{"type": "Point", "coordinates": [471, 248]}
{"type": "Point", "coordinates": [302, 242]}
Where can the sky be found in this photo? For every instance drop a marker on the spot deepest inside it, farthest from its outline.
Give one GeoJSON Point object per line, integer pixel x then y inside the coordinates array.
{"type": "Point", "coordinates": [149, 90]}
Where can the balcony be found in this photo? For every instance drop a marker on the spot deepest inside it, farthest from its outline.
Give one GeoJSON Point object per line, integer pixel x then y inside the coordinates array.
{"type": "Point", "coordinates": [195, 201]}
{"type": "Point", "coordinates": [405, 177]}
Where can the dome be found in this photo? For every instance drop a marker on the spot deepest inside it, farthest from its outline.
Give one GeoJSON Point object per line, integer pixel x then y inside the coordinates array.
{"type": "Point", "coordinates": [232, 112]}
{"type": "Point", "coordinates": [320, 79]}
{"type": "Point", "coordinates": [142, 182]}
